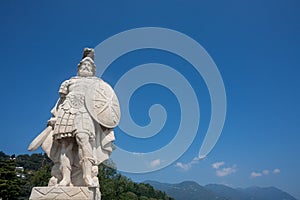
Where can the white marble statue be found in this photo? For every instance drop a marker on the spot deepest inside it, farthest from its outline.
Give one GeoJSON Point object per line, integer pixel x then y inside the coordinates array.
{"type": "Point", "coordinates": [80, 132]}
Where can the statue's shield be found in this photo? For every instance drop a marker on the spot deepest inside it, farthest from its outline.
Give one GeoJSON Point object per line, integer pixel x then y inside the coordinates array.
{"type": "Point", "coordinates": [102, 104]}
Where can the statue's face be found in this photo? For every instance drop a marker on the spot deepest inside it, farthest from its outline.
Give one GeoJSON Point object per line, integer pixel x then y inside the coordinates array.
{"type": "Point", "coordinates": [85, 69]}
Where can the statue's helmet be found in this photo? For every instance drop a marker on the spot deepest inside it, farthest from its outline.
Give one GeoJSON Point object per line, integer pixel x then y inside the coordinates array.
{"type": "Point", "coordinates": [88, 55]}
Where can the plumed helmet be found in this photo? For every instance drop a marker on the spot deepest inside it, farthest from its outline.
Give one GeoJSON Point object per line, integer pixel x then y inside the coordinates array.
{"type": "Point", "coordinates": [88, 55]}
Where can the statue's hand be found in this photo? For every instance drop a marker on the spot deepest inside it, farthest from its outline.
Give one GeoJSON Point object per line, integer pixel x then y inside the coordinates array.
{"type": "Point", "coordinates": [51, 122]}
{"type": "Point", "coordinates": [108, 130]}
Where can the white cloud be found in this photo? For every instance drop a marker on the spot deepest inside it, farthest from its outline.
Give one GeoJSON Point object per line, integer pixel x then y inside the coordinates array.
{"type": "Point", "coordinates": [187, 166]}
{"type": "Point", "coordinates": [256, 174]}
{"type": "Point", "coordinates": [198, 158]}
{"type": "Point", "coordinates": [222, 171]}
{"type": "Point", "coordinates": [217, 165]}
{"type": "Point", "coordinates": [225, 171]}
{"type": "Point", "coordinates": [266, 172]}
{"type": "Point", "coordinates": [155, 163]}
{"type": "Point", "coordinates": [184, 166]}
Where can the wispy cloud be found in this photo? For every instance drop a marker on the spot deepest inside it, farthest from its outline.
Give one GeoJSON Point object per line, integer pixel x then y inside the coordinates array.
{"type": "Point", "coordinates": [155, 163]}
{"type": "Point", "coordinates": [217, 165]}
{"type": "Point", "coordinates": [225, 171]}
{"type": "Point", "coordinates": [255, 174]}
{"type": "Point", "coordinates": [264, 173]}
{"type": "Point", "coordinates": [183, 166]}
{"type": "Point", "coordinates": [187, 166]}
{"type": "Point", "coordinates": [222, 170]}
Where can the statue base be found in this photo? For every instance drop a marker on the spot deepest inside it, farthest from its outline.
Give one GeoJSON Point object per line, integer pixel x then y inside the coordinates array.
{"type": "Point", "coordinates": [65, 193]}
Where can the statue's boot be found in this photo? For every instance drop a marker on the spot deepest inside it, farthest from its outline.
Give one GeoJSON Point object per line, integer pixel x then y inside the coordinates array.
{"type": "Point", "coordinates": [87, 172]}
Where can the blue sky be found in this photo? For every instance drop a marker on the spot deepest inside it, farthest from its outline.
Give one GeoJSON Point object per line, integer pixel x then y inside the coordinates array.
{"type": "Point", "coordinates": [255, 45]}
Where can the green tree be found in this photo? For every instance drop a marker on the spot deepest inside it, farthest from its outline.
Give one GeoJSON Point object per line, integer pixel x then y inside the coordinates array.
{"type": "Point", "coordinates": [33, 162]}
{"type": "Point", "coordinates": [41, 176]}
{"type": "Point", "coordinates": [3, 156]}
{"type": "Point", "coordinates": [128, 196]}
{"type": "Point", "coordinates": [9, 182]}
{"type": "Point", "coordinates": [114, 186]}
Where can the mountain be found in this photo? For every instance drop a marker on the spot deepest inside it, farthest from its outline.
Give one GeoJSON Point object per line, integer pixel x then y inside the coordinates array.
{"type": "Point", "coordinates": [187, 190]}
{"type": "Point", "coordinates": [251, 193]}
{"type": "Point", "coordinates": [227, 192]}
{"type": "Point", "coordinates": [268, 193]}
{"type": "Point", "coordinates": [190, 190]}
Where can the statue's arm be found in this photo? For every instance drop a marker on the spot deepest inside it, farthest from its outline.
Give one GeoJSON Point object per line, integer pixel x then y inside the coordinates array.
{"type": "Point", "coordinates": [64, 88]}
{"type": "Point", "coordinates": [63, 91]}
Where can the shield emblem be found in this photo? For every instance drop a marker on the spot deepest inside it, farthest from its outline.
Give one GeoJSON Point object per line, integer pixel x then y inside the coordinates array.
{"type": "Point", "coordinates": [102, 104]}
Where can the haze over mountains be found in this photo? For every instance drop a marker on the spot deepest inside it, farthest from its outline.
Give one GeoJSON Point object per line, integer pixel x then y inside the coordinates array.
{"type": "Point", "coordinates": [189, 190]}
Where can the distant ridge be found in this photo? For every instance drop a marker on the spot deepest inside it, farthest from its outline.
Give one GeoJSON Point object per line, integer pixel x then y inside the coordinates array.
{"type": "Point", "coordinates": [190, 190]}
{"type": "Point", "coordinates": [187, 190]}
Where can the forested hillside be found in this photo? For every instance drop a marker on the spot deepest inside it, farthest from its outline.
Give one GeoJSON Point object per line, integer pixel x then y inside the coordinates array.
{"type": "Point", "coordinates": [18, 174]}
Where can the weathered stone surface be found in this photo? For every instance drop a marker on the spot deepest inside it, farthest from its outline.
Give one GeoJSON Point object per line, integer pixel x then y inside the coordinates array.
{"type": "Point", "coordinates": [65, 193]}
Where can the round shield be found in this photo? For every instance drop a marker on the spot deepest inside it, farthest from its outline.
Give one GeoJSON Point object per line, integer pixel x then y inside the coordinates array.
{"type": "Point", "coordinates": [102, 104]}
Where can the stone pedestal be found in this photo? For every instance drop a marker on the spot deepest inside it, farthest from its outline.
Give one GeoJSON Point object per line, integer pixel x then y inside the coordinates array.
{"type": "Point", "coordinates": [65, 193]}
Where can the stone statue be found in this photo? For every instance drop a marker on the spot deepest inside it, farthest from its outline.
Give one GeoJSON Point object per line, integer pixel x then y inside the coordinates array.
{"type": "Point", "coordinates": [80, 133]}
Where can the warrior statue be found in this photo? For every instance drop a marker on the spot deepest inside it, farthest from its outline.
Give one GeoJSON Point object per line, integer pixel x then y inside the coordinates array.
{"type": "Point", "coordinates": [80, 132]}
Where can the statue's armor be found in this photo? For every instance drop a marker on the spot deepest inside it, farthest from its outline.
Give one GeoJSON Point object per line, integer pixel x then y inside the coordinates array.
{"type": "Point", "coordinates": [73, 116]}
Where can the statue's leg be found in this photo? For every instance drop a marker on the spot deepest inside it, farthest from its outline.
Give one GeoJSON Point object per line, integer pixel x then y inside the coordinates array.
{"type": "Point", "coordinates": [56, 175]}
{"type": "Point", "coordinates": [66, 160]}
{"type": "Point", "coordinates": [55, 157]}
{"type": "Point", "coordinates": [85, 156]}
